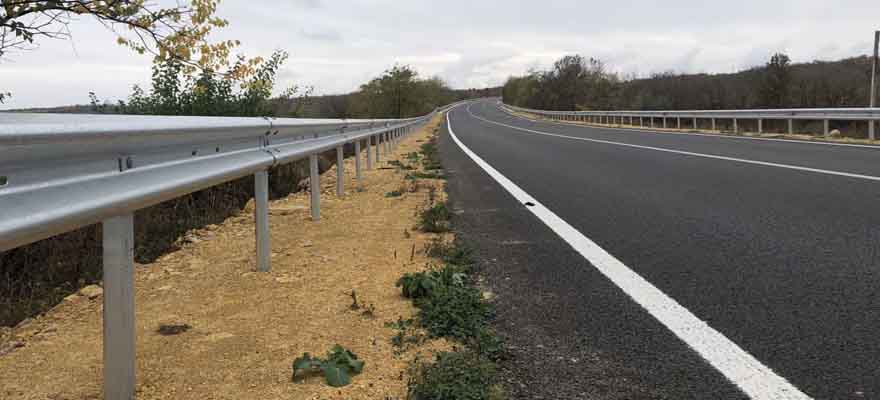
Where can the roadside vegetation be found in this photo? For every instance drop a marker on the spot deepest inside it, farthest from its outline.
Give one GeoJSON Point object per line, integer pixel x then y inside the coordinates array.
{"type": "Point", "coordinates": [451, 306]}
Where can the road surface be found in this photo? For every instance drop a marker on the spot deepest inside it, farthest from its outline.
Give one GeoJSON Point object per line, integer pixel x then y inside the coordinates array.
{"type": "Point", "coordinates": [773, 244]}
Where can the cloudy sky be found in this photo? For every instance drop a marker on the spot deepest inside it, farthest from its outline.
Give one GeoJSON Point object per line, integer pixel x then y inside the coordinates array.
{"type": "Point", "coordinates": [337, 45]}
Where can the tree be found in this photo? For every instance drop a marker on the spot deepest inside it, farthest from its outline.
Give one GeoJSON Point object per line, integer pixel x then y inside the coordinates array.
{"type": "Point", "coordinates": [776, 82]}
{"type": "Point", "coordinates": [400, 93]}
{"type": "Point", "coordinates": [177, 32]}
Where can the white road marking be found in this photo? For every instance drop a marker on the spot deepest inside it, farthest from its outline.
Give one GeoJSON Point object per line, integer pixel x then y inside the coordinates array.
{"type": "Point", "coordinates": [754, 378]}
{"type": "Point", "coordinates": [687, 153]}
{"type": "Point", "coordinates": [648, 129]}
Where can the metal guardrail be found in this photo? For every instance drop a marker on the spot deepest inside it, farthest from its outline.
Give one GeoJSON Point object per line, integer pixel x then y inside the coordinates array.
{"type": "Point", "coordinates": [60, 172]}
{"type": "Point", "coordinates": [661, 119]}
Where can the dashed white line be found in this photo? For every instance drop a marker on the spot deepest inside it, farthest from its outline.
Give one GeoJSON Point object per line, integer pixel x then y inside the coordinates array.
{"type": "Point", "coordinates": [754, 378]}
{"type": "Point", "coordinates": [682, 152]}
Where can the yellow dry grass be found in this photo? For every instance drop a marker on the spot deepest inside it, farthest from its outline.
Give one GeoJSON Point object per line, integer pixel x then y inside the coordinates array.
{"type": "Point", "coordinates": [247, 327]}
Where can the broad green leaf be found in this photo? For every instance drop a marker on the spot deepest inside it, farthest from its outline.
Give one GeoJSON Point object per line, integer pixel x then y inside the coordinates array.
{"type": "Point", "coordinates": [335, 376]}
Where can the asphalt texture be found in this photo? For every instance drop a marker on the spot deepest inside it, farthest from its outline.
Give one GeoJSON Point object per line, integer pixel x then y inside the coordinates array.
{"type": "Point", "coordinates": [783, 262]}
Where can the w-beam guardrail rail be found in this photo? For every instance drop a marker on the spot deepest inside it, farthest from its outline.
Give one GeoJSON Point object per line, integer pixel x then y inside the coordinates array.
{"type": "Point", "coordinates": [60, 172]}
{"type": "Point", "coordinates": [662, 119]}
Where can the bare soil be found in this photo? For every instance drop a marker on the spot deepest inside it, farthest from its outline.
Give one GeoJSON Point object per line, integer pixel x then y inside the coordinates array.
{"type": "Point", "coordinates": [246, 328]}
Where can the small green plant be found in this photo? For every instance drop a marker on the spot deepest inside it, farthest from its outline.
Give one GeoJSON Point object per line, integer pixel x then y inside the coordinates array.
{"type": "Point", "coordinates": [455, 375]}
{"type": "Point", "coordinates": [413, 156]}
{"type": "Point", "coordinates": [424, 175]}
{"type": "Point", "coordinates": [435, 219]}
{"type": "Point", "coordinates": [417, 285]}
{"type": "Point", "coordinates": [453, 311]}
{"type": "Point", "coordinates": [394, 193]}
{"type": "Point", "coordinates": [407, 333]}
{"type": "Point", "coordinates": [337, 368]}
{"type": "Point", "coordinates": [450, 252]}
{"type": "Point", "coordinates": [401, 165]}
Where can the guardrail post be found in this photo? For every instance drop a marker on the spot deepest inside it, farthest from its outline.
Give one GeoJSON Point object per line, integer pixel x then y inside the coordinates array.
{"type": "Point", "coordinates": [664, 122]}
{"type": "Point", "coordinates": [695, 124]}
{"type": "Point", "coordinates": [827, 127]}
{"type": "Point", "coordinates": [261, 220]}
{"type": "Point", "coordinates": [760, 126]}
{"type": "Point", "coordinates": [871, 124]}
{"type": "Point", "coordinates": [369, 152]}
{"type": "Point", "coordinates": [387, 136]}
{"type": "Point", "coordinates": [790, 126]}
{"type": "Point", "coordinates": [379, 151]}
{"type": "Point", "coordinates": [357, 159]}
{"type": "Point", "coordinates": [340, 172]}
{"type": "Point", "coordinates": [735, 128]}
{"type": "Point", "coordinates": [713, 124]}
{"type": "Point", "coordinates": [315, 187]}
{"type": "Point", "coordinates": [119, 316]}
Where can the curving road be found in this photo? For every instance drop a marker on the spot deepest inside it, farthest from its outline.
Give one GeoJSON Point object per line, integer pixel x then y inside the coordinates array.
{"type": "Point", "coordinates": [773, 244]}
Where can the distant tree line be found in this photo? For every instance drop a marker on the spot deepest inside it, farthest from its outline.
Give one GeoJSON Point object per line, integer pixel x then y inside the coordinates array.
{"type": "Point", "coordinates": [578, 83]}
{"type": "Point", "coordinates": [399, 92]}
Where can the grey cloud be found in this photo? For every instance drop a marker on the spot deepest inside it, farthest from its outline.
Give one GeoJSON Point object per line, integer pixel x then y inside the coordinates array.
{"type": "Point", "coordinates": [337, 45]}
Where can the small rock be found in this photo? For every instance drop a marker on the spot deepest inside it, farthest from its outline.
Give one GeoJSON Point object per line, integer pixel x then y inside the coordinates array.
{"type": "Point", "coordinates": [307, 243]}
{"type": "Point", "coordinates": [72, 297]}
{"type": "Point", "coordinates": [834, 133]}
{"type": "Point", "coordinates": [91, 291]}
{"type": "Point", "coordinates": [8, 347]}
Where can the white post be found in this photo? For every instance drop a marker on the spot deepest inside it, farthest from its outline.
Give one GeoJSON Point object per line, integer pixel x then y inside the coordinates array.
{"type": "Point", "coordinates": [369, 152]}
{"type": "Point", "coordinates": [735, 128]}
{"type": "Point", "coordinates": [379, 151]}
{"type": "Point", "coordinates": [827, 126]}
{"type": "Point", "coordinates": [873, 103]}
{"type": "Point", "coordinates": [340, 172]}
{"type": "Point", "coordinates": [315, 187]}
{"type": "Point", "coordinates": [261, 220]}
{"type": "Point", "coordinates": [713, 124]}
{"type": "Point", "coordinates": [119, 316]}
{"type": "Point", "coordinates": [790, 126]}
{"type": "Point", "coordinates": [357, 159]}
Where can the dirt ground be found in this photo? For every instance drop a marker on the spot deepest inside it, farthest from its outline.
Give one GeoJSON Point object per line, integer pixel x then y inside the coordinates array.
{"type": "Point", "coordinates": [248, 327]}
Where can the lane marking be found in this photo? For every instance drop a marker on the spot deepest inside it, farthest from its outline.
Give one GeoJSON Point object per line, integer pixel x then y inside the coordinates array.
{"type": "Point", "coordinates": [682, 152]}
{"type": "Point", "coordinates": [754, 378]}
{"type": "Point", "coordinates": [648, 129]}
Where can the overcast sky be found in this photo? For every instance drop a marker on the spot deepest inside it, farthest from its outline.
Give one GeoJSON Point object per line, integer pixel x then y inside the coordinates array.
{"type": "Point", "coordinates": [337, 45]}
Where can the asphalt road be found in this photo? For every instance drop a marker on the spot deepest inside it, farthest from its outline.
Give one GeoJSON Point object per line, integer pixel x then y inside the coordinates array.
{"type": "Point", "coordinates": [782, 261]}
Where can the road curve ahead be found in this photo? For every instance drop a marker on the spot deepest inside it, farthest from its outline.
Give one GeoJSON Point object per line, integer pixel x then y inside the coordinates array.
{"type": "Point", "coordinates": [714, 267]}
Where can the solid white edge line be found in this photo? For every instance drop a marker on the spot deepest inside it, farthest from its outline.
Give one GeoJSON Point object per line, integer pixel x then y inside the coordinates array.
{"type": "Point", "coordinates": [682, 152]}
{"type": "Point", "coordinates": [752, 377]}
{"type": "Point", "coordinates": [648, 129]}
